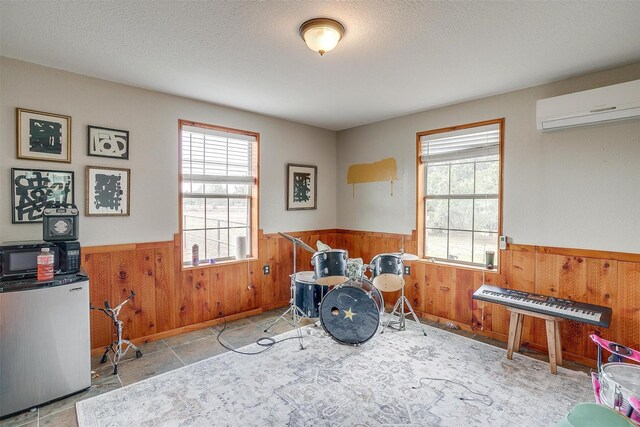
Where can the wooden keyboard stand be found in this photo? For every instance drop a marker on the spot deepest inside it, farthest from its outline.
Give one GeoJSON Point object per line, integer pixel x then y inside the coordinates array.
{"type": "Point", "coordinates": [553, 335]}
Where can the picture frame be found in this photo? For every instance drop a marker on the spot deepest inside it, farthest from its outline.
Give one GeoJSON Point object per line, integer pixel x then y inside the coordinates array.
{"type": "Point", "coordinates": [302, 187]}
{"type": "Point", "coordinates": [107, 142]}
{"type": "Point", "coordinates": [107, 191]}
{"type": "Point", "coordinates": [43, 136]}
{"type": "Point", "coordinates": [32, 189]}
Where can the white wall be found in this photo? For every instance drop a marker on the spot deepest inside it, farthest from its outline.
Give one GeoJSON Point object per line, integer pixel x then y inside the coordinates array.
{"type": "Point", "coordinates": [576, 188]}
{"type": "Point", "coordinates": [152, 119]}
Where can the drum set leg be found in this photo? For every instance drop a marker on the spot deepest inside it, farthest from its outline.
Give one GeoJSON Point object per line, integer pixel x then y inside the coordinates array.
{"type": "Point", "coordinates": [399, 310]}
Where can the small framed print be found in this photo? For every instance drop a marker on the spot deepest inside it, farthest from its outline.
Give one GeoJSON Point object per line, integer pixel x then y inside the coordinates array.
{"type": "Point", "coordinates": [107, 191]}
{"type": "Point", "coordinates": [32, 189]}
{"type": "Point", "coordinates": [105, 142]}
{"type": "Point", "coordinates": [43, 136]}
{"type": "Point", "coordinates": [302, 187]}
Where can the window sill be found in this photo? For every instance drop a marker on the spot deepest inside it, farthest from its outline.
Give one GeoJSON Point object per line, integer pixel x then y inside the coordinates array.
{"type": "Point", "coordinates": [219, 263]}
{"type": "Point", "coordinates": [460, 266]}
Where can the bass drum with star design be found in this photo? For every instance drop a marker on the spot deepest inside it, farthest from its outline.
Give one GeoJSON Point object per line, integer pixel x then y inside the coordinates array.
{"type": "Point", "coordinates": [350, 313]}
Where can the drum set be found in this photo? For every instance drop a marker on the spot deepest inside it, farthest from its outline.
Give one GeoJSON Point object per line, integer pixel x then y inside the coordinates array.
{"type": "Point", "coordinates": [347, 302]}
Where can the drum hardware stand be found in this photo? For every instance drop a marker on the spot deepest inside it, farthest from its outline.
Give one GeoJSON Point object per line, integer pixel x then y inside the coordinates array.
{"type": "Point", "coordinates": [399, 310]}
{"type": "Point", "coordinates": [295, 311]}
{"type": "Point", "coordinates": [116, 346]}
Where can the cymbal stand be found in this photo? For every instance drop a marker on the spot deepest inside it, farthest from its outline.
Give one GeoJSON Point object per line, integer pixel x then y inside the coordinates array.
{"type": "Point", "coordinates": [295, 311]}
{"type": "Point", "coordinates": [399, 310]}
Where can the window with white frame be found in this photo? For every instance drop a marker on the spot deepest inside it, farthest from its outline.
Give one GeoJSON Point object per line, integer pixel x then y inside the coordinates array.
{"type": "Point", "coordinates": [461, 192]}
{"type": "Point", "coordinates": [218, 177]}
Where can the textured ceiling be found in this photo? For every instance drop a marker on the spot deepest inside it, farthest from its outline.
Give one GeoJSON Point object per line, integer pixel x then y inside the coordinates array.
{"type": "Point", "coordinates": [397, 57]}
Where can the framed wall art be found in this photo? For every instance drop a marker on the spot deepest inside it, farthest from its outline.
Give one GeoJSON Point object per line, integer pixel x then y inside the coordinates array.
{"type": "Point", "coordinates": [302, 187]}
{"type": "Point", "coordinates": [107, 191]}
{"type": "Point", "coordinates": [43, 136]}
{"type": "Point", "coordinates": [105, 142]}
{"type": "Point", "coordinates": [32, 189]}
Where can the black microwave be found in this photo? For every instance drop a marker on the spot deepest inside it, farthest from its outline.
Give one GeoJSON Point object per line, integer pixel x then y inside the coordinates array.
{"type": "Point", "coordinates": [18, 260]}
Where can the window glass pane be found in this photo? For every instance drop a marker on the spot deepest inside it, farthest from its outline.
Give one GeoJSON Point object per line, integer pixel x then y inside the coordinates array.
{"type": "Point", "coordinates": [460, 246]}
{"type": "Point", "coordinates": [186, 187]}
{"type": "Point", "coordinates": [215, 188]}
{"type": "Point", "coordinates": [486, 215]}
{"type": "Point", "coordinates": [192, 213]}
{"type": "Point", "coordinates": [239, 189]}
{"type": "Point", "coordinates": [217, 213]}
{"type": "Point", "coordinates": [461, 214]}
{"type": "Point", "coordinates": [233, 236]}
{"type": "Point", "coordinates": [437, 213]}
{"type": "Point", "coordinates": [218, 243]}
{"type": "Point", "coordinates": [436, 243]}
{"type": "Point", "coordinates": [483, 242]}
{"type": "Point", "coordinates": [192, 238]}
{"type": "Point", "coordinates": [462, 179]}
{"type": "Point", "coordinates": [437, 179]}
{"type": "Point", "coordinates": [238, 212]}
{"type": "Point", "coordinates": [487, 177]}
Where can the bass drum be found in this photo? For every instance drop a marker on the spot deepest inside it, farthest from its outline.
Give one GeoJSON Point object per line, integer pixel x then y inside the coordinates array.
{"type": "Point", "coordinates": [350, 313]}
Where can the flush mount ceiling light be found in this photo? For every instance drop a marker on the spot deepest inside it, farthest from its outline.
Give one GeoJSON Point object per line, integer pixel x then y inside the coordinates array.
{"type": "Point", "coordinates": [321, 34]}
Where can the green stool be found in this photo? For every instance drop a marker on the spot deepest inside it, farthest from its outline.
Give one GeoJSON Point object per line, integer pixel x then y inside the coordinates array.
{"type": "Point", "coordinates": [594, 415]}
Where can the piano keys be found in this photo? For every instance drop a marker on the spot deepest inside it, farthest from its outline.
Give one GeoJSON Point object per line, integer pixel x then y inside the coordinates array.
{"type": "Point", "coordinates": [552, 306]}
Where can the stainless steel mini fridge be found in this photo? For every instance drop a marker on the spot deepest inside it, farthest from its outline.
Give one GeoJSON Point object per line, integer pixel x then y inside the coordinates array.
{"type": "Point", "coordinates": [45, 350]}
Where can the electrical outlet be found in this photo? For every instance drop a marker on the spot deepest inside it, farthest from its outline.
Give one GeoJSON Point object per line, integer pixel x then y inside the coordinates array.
{"type": "Point", "coordinates": [407, 270]}
{"type": "Point", "coordinates": [266, 269]}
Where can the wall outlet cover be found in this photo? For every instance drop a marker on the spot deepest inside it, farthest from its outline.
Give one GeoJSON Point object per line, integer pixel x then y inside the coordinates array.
{"type": "Point", "coordinates": [266, 269]}
{"type": "Point", "coordinates": [407, 270]}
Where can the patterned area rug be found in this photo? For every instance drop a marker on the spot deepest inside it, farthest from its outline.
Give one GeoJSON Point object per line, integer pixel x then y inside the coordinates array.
{"type": "Point", "coordinates": [397, 378]}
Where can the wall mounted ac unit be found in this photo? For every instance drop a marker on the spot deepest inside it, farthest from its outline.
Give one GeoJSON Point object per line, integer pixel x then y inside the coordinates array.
{"type": "Point", "coordinates": [595, 106]}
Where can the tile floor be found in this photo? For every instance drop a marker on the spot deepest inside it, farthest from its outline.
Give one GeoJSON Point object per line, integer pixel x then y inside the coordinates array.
{"type": "Point", "coordinates": [181, 350]}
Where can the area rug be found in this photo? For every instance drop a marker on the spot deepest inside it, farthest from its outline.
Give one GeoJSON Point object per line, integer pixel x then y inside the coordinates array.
{"type": "Point", "coordinates": [397, 378]}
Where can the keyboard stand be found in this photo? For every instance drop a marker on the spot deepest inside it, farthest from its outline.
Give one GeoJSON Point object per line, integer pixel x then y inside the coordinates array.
{"type": "Point", "coordinates": [553, 335]}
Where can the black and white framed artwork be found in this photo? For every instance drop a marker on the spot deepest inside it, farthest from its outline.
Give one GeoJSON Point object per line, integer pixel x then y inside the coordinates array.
{"type": "Point", "coordinates": [104, 142]}
{"type": "Point", "coordinates": [32, 189]}
{"type": "Point", "coordinates": [302, 187]}
{"type": "Point", "coordinates": [43, 136]}
{"type": "Point", "coordinates": [107, 191]}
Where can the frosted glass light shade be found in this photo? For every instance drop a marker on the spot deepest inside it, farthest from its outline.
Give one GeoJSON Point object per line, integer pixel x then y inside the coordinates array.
{"type": "Point", "coordinates": [321, 34]}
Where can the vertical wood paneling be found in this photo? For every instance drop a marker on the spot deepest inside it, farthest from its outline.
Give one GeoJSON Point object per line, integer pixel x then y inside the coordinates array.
{"type": "Point", "coordinates": [168, 297]}
{"type": "Point", "coordinates": [166, 304]}
{"type": "Point", "coordinates": [629, 306]}
{"type": "Point", "coordinates": [122, 270]}
{"type": "Point", "coordinates": [98, 268]}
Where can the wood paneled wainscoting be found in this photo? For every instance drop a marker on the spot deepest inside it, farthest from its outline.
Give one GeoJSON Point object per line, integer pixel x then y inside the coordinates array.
{"type": "Point", "coordinates": [443, 292]}
{"type": "Point", "coordinates": [170, 300]}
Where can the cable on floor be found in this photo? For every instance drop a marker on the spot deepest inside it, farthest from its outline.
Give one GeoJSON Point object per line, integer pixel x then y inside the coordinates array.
{"type": "Point", "coordinates": [470, 399]}
{"type": "Point", "coordinates": [266, 342]}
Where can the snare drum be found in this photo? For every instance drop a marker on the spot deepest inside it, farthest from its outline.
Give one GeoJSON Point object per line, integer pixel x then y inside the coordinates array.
{"type": "Point", "coordinates": [619, 382]}
{"type": "Point", "coordinates": [388, 272]}
{"type": "Point", "coordinates": [330, 267]}
{"type": "Point", "coordinates": [308, 294]}
{"type": "Point", "coordinates": [350, 313]}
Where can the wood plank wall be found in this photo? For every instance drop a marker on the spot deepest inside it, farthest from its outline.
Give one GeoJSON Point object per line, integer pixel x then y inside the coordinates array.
{"type": "Point", "coordinates": [444, 293]}
{"type": "Point", "coordinates": [170, 300]}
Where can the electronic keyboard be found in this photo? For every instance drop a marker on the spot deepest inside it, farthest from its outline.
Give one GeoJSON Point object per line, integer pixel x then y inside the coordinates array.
{"type": "Point", "coordinates": [552, 306]}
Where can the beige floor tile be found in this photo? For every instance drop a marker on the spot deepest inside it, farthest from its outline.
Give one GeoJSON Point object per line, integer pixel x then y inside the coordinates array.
{"type": "Point", "coordinates": [99, 385]}
{"type": "Point", "coordinates": [198, 350]}
{"type": "Point", "coordinates": [243, 336]}
{"type": "Point", "coordinates": [20, 419]}
{"type": "Point", "coordinates": [188, 337]}
{"type": "Point", "coordinates": [233, 325]}
{"type": "Point", "coordinates": [131, 371]}
{"type": "Point", "coordinates": [65, 418]}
